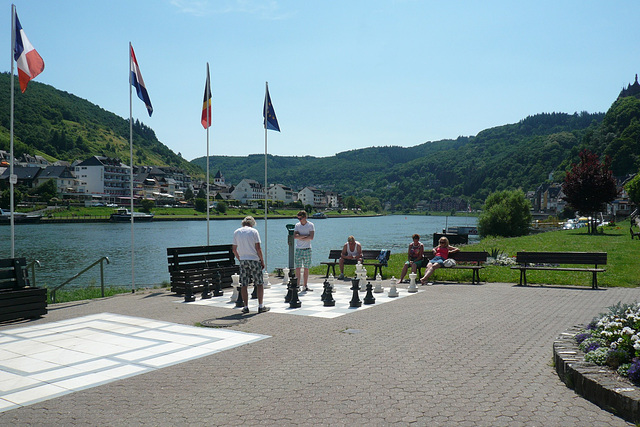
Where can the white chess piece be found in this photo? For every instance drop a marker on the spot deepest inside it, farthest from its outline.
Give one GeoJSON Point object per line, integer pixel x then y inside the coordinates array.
{"type": "Point", "coordinates": [378, 289]}
{"type": "Point", "coordinates": [393, 291]}
{"type": "Point", "coordinates": [331, 279]}
{"type": "Point", "coordinates": [412, 284]}
{"type": "Point", "coordinates": [285, 280]}
{"type": "Point", "coordinates": [235, 278]}
{"type": "Point", "coordinates": [265, 279]}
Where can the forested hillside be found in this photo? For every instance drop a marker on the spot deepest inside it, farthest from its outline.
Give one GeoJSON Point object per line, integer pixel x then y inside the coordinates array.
{"type": "Point", "coordinates": [520, 155]}
{"type": "Point", "coordinates": [62, 126]}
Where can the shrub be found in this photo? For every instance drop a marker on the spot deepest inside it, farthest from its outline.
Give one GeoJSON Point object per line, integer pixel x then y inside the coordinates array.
{"type": "Point", "coordinates": [591, 344]}
{"type": "Point", "coordinates": [583, 336]}
{"type": "Point", "coordinates": [634, 371]}
{"type": "Point", "coordinates": [617, 357]}
{"type": "Point", "coordinates": [505, 213]}
{"type": "Point", "coordinates": [597, 356]}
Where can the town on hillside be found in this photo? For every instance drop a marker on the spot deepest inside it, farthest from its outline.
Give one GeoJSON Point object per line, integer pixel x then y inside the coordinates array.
{"type": "Point", "coordinates": [104, 181]}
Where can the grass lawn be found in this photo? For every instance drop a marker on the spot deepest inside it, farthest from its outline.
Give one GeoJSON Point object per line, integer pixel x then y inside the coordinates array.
{"type": "Point", "coordinates": [623, 258]}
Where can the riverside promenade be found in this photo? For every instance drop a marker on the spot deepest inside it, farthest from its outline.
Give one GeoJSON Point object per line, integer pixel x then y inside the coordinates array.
{"type": "Point", "coordinates": [452, 354]}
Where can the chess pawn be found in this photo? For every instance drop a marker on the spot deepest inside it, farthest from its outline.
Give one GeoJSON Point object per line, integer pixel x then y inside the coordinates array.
{"type": "Point", "coordinates": [327, 299]}
{"type": "Point", "coordinates": [369, 298]}
{"type": "Point", "coordinates": [234, 295]}
{"type": "Point", "coordinates": [331, 279]}
{"type": "Point", "coordinates": [265, 279]}
{"type": "Point", "coordinates": [217, 289]}
{"type": "Point", "coordinates": [285, 280]}
{"type": "Point", "coordinates": [355, 299]}
{"type": "Point", "coordinates": [393, 291]}
{"type": "Point", "coordinates": [206, 291]}
{"type": "Point", "coordinates": [378, 289]}
{"type": "Point", "coordinates": [412, 283]}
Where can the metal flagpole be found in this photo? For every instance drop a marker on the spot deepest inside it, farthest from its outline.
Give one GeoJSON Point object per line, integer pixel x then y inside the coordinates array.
{"type": "Point", "coordinates": [133, 281]}
{"type": "Point", "coordinates": [266, 187]}
{"type": "Point", "coordinates": [11, 176]}
{"type": "Point", "coordinates": [208, 125]}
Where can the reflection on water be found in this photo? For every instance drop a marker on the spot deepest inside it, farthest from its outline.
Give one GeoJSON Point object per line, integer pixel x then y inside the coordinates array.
{"type": "Point", "coordinates": [65, 249]}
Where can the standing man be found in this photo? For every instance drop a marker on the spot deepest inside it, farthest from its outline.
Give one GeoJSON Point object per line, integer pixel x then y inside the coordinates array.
{"type": "Point", "coordinates": [246, 247]}
{"type": "Point", "coordinates": [303, 234]}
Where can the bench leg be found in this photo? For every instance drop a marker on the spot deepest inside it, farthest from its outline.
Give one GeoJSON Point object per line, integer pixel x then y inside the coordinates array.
{"type": "Point", "coordinates": [594, 281]}
{"type": "Point", "coordinates": [327, 275]}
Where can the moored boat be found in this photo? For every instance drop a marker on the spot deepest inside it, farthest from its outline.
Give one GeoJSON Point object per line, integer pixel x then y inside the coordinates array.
{"type": "Point", "coordinates": [124, 215]}
{"type": "Point", "coordinates": [18, 217]}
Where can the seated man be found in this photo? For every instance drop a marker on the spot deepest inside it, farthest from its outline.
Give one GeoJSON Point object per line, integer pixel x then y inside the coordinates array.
{"type": "Point", "coordinates": [351, 254]}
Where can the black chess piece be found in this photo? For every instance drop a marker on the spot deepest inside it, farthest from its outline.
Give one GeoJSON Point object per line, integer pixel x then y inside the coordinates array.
{"type": "Point", "coordinates": [328, 297]}
{"type": "Point", "coordinates": [369, 298]}
{"type": "Point", "coordinates": [355, 299]}
{"type": "Point", "coordinates": [188, 294]}
{"type": "Point", "coordinates": [239, 302]}
{"type": "Point", "coordinates": [295, 301]}
{"type": "Point", "coordinates": [217, 289]}
{"type": "Point", "coordinates": [326, 286]}
{"type": "Point", "coordinates": [254, 294]}
{"type": "Point", "coordinates": [206, 291]}
{"type": "Point", "coordinates": [292, 283]}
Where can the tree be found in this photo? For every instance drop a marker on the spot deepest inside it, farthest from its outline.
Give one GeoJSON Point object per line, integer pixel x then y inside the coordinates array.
{"type": "Point", "coordinates": [221, 207]}
{"type": "Point", "coordinates": [188, 195]}
{"type": "Point", "coordinates": [633, 189]}
{"type": "Point", "coordinates": [47, 190]}
{"type": "Point", "coordinates": [147, 205]}
{"type": "Point", "coordinates": [505, 213]}
{"type": "Point", "coordinates": [200, 204]}
{"type": "Point", "coordinates": [589, 186]}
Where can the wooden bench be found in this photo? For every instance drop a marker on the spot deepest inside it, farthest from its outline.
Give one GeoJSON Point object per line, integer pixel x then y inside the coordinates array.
{"type": "Point", "coordinates": [18, 300]}
{"type": "Point", "coordinates": [472, 261]}
{"type": "Point", "coordinates": [533, 261]}
{"type": "Point", "coordinates": [193, 266]}
{"type": "Point", "coordinates": [369, 257]}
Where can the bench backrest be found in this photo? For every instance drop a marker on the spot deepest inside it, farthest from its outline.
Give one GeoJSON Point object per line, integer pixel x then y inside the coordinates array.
{"type": "Point", "coordinates": [12, 274]}
{"type": "Point", "coordinates": [366, 254]}
{"type": "Point", "coordinates": [470, 256]}
{"type": "Point", "coordinates": [596, 258]}
{"type": "Point", "coordinates": [199, 257]}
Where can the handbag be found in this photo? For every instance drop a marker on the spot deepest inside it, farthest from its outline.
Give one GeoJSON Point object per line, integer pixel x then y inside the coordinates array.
{"type": "Point", "coordinates": [449, 262]}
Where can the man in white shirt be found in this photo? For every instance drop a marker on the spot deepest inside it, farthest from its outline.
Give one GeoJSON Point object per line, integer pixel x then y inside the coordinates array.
{"type": "Point", "coordinates": [303, 234]}
{"type": "Point", "coordinates": [246, 247]}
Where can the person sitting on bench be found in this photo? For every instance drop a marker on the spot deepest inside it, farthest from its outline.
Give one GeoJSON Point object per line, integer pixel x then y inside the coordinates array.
{"type": "Point", "coordinates": [415, 257]}
{"type": "Point", "coordinates": [351, 254]}
{"type": "Point", "coordinates": [440, 253]}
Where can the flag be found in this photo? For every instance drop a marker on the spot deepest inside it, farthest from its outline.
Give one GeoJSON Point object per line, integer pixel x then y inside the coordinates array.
{"type": "Point", "coordinates": [270, 119]}
{"type": "Point", "coordinates": [30, 64]}
{"type": "Point", "coordinates": [206, 103]}
{"type": "Point", "coordinates": [138, 82]}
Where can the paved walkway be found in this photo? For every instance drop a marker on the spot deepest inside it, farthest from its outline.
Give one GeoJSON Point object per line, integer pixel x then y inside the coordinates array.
{"type": "Point", "coordinates": [454, 354]}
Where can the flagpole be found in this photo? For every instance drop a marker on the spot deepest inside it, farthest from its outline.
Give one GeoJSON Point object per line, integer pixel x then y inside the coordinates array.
{"type": "Point", "coordinates": [11, 177]}
{"type": "Point", "coordinates": [266, 187]}
{"type": "Point", "coordinates": [208, 126]}
{"type": "Point", "coordinates": [133, 281]}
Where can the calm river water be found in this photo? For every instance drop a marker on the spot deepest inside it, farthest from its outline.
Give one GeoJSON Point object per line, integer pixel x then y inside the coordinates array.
{"type": "Point", "coordinates": [65, 249]}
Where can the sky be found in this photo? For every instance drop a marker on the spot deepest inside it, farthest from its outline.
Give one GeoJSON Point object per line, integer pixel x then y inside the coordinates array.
{"type": "Point", "coordinates": [342, 74]}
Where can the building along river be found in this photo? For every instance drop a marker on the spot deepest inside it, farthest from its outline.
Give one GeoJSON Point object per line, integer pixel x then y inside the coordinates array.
{"type": "Point", "coordinates": [65, 249]}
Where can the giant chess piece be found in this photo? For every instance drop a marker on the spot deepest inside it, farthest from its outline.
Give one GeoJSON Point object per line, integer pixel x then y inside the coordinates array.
{"type": "Point", "coordinates": [235, 285]}
{"type": "Point", "coordinates": [188, 294]}
{"type": "Point", "coordinates": [292, 283]}
{"type": "Point", "coordinates": [217, 289]}
{"type": "Point", "coordinates": [254, 294]}
{"type": "Point", "coordinates": [265, 280]}
{"type": "Point", "coordinates": [327, 296]}
{"type": "Point", "coordinates": [378, 289]}
{"type": "Point", "coordinates": [369, 298]}
{"type": "Point", "coordinates": [239, 301]}
{"type": "Point", "coordinates": [206, 291]}
{"type": "Point", "coordinates": [325, 286]}
{"type": "Point", "coordinates": [285, 280]}
{"type": "Point", "coordinates": [332, 280]}
{"type": "Point", "coordinates": [412, 283]}
{"type": "Point", "coordinates": [295, 300]}
{"type": "Point", "coordinates": [393, 291]}
{"type": "Point", "coordinates": [355, 299]}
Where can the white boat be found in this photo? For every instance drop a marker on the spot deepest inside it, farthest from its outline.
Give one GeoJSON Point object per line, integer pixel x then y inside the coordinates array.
{"type": "Point", "coordinates": [18, 217]}
{"type": "Point", "coordinates": [123, 214]}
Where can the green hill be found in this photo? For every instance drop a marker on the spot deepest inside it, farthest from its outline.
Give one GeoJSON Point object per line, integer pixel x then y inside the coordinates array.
{"type": "Point", "coordinates": [62, 126]}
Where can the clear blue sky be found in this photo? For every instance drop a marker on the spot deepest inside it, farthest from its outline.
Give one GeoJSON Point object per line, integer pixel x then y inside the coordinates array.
{"type": "Point", "coordinates": [342, 74]}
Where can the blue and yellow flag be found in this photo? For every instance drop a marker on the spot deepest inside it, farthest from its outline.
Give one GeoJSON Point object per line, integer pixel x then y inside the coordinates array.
{"type": "Point", "coordinates": [269, 114]}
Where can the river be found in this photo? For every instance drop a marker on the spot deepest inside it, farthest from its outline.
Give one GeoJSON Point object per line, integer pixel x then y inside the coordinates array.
{"type": "Point", "coordinates": [65, 249]}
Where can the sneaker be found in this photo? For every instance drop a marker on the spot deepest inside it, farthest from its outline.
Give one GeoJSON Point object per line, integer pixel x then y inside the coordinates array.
{"type": "Point", "coordinates": [245, 310]}
{"type": "Point", "coordinates": [263, 309]}
{"type": "Point", "coordinates": [307, 289]}
{"type": "Point", "coordinates": [341, 277]}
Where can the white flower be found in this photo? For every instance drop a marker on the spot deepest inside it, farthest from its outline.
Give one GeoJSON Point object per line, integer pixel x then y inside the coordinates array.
{"type": "Point", "coordinates": [637, 345]}
{"type": "Point", "coordinates": [614, 345]}
{"type": "Point", "coordinates": [628, 331]}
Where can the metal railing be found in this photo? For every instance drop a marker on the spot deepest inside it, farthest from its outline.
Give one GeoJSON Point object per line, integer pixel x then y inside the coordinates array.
{"type": "Point", "coordinates": [100, 261]}
{"type": "Point", "coordinates": [32, 266]}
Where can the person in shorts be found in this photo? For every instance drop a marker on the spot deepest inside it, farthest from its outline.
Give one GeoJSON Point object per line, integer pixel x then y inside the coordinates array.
{"type": "Point", "coordinates": [440, 253]}
{"type": "Point", "coordinates": [246, 247]}
{"type": "Point", "coordinates": [415, 257]}
{"type": "Point", "coordinates": [303, 233]}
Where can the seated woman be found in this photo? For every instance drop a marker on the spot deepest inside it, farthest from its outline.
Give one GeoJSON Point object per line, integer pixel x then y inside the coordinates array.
{"type": "Point", "coordinates": [440, 253]}
{"type": "Point", "coordinates": [415, 256]}
{"type": "Point", "coordinates": [351, 254]}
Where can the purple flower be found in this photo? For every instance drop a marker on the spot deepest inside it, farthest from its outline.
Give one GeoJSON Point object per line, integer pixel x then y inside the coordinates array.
{"type": "Point", "coordinates": [634, 371]}
{"type": "Point", "coordinates": [582, 337]}
{"type": "Point", "coordinates": [592, 346]}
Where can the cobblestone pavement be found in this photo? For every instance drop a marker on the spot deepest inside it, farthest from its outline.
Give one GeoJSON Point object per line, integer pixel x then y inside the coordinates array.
{"type": "Point", "coordinates": [454, 354]}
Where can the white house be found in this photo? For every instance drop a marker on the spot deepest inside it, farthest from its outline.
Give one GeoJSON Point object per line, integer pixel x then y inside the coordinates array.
{"type": "Point", "coordinates": [280, 192]}
{"type": "Point", "coordinates": [248, 190]}
{"type": "Point", "coordinates": [103, 176]}
{"type": "Point", "coordinates": [312, 196]}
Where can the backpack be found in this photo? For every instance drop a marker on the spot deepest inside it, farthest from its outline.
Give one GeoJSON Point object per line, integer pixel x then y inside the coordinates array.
{"type": "Point", "coordinates": [382, 258]}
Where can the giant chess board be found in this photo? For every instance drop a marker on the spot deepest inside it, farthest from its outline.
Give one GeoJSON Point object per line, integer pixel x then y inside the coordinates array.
{"type": "Point", "coordinates": [312, 305]}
